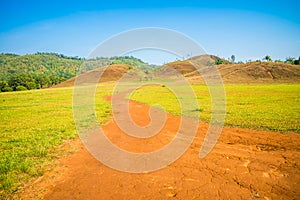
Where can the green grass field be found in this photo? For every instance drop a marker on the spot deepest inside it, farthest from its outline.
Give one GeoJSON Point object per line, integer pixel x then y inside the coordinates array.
{"type": "Point", "coordinates": [264, 107]}
{"type": "Point", "coordinates": [33, 123]}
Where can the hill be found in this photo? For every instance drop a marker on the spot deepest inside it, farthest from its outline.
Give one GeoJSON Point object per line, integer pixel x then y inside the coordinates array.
{"type": "Point", "coordinates": [42, 70]}
{"type": "Point", "coordinates": [252, 72]}
{"type": "Point", "coordinates": [132, 61]}
{"type": "Point", "coordinates": [33, 71]}
{"type": "Point", "coordinates": [187, 66]}
{"type": "Point", "coordinates": [110, 73]}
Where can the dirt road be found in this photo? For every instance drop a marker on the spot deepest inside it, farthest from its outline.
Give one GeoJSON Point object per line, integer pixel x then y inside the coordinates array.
{"type": "Point", "coordinates": [245, 164]}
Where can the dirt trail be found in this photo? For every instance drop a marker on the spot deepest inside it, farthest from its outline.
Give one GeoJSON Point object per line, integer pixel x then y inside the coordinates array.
{"type": "Point", "coordinates": [245, 164]}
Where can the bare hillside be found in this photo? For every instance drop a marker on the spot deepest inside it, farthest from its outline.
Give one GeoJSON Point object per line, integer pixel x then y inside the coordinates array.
{"type": "Point", "coordinates": [109, 73]}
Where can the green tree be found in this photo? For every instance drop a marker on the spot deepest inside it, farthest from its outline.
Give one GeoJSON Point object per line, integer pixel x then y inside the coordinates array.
{"type": "Point", "coordinates": [7, 89]}
{"type": "Point", "coordinates": [43, 81]}
{"type": "Point", "coordinates": [20, 80]}
{"type": "Point", "coordinates": [31, 85]}
{"type": "Point", "coordinates": [232, 58]}
{"type": "Point", "coordinates": [54, 79]}
{"type": "Point", "coordinates": [297, 62]}
{"type": "Point", "coordinates": [290, 60]}
{"type": "Point", "coordinates": [267, 58]}
{"type": "Point", "coordinates": [3, 84]}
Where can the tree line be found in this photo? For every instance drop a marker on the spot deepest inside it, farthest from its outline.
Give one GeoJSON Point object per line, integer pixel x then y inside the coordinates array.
{"type": "Point", "coordinates": [267, 58]}
{"type": "Point", "coordinates": [19, 82]}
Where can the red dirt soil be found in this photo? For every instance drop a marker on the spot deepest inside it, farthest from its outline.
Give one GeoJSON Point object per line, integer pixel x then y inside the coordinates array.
{"type": "Point", "coordinates": [245, 164]}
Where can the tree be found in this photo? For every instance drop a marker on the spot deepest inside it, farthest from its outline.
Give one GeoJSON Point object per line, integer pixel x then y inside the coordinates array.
{"type": "Point", "coordinates": [3, 84]}
{"type": "Point", "coordinates": [232, 58]}
{"type": "Point", "coordinates": [267, 58]}
{"type": "Point", "coordinates": [289, 60]}
{"type": "Point", "coordinates": [7, 89]}
{"type": "Point", "coordinates": [20, 80]}
{"type": "Point", "coordinates": [297, 62]}
{"type": "Point", "coordinates": [31, 85]}
{"type": "Point", "coordinates": [42, 81]}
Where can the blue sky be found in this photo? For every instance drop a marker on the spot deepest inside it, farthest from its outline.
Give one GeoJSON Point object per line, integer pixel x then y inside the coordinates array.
{"type": "Point", "coordinates": [249, 30]}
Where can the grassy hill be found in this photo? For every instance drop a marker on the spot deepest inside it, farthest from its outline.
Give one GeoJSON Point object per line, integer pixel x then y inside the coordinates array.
{"type": "Point", "coordinates": [42, 70]}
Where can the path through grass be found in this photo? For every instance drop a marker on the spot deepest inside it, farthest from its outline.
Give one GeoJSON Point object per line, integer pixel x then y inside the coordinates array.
{"type": "Point", "coordinates": [33, 123]}
{"type": "Point", "coordinates": [265, 107]}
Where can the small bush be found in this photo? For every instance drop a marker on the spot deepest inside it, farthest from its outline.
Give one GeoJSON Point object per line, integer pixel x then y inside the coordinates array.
{"type": "Point", "coordinates": [31, 85]}
{"type": "Point", "coordinates": [7, 89]}
{"type": "Point", "coordinates": [20, 88]}
{"type": "Point", "coordinates": [219, 61]}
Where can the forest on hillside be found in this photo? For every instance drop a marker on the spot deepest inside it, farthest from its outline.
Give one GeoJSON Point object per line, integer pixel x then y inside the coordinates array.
{"type": "Point", "coordinates": [42, 70]}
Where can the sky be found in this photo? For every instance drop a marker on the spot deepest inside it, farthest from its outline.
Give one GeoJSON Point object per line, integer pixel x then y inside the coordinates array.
{"type": "Point", "coordinates": [249, 30]}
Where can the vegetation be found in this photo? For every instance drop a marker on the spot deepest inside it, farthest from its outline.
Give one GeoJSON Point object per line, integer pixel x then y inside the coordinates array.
{"type": "Point", "coordinates": [219, 61]}
{"type": "Point", "coordinates": [42, 70]}
{"type": "Point", "coordinates": [36, 71]}
{"type": "Point", "coordinates": [292, 60]}
{"type": "Point", "coordinates": [267, 58]}
{"type": "Point", "coordinates": [33, 124]}
{"type": "Point", "coordinates": [232, 58]}
{"type": "Point", "coordinates": [129, 60]}
{"type": "Point", "coordinates": [256, 106]}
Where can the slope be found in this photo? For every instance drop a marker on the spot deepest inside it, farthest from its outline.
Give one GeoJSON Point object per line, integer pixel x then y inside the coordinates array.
{"type": "Point", "coordinates": [109, 73]}
{"type": "Point", "coordinates": [252, 72]}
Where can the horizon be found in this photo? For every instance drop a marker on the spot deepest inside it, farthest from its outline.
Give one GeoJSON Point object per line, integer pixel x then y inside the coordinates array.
{"type": "Point", "coordinates": [248, 30]}
{"type": "Point", "coordinates": [177, 58]}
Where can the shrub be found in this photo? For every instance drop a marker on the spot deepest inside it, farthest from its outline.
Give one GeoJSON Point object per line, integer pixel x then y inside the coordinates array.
{"type": "Point", "coordinates": [7, 89]}
{"type": "Point", "coordinates": [297, 62]}
{"type": "Point", "coordinates": [3, 84]}
{"type": "Point", "coordinates": [31, 85]}
{"type": "Point", "coordinates": [219, 61]}
{"type": "Point", "coordinates": [20, 88]}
